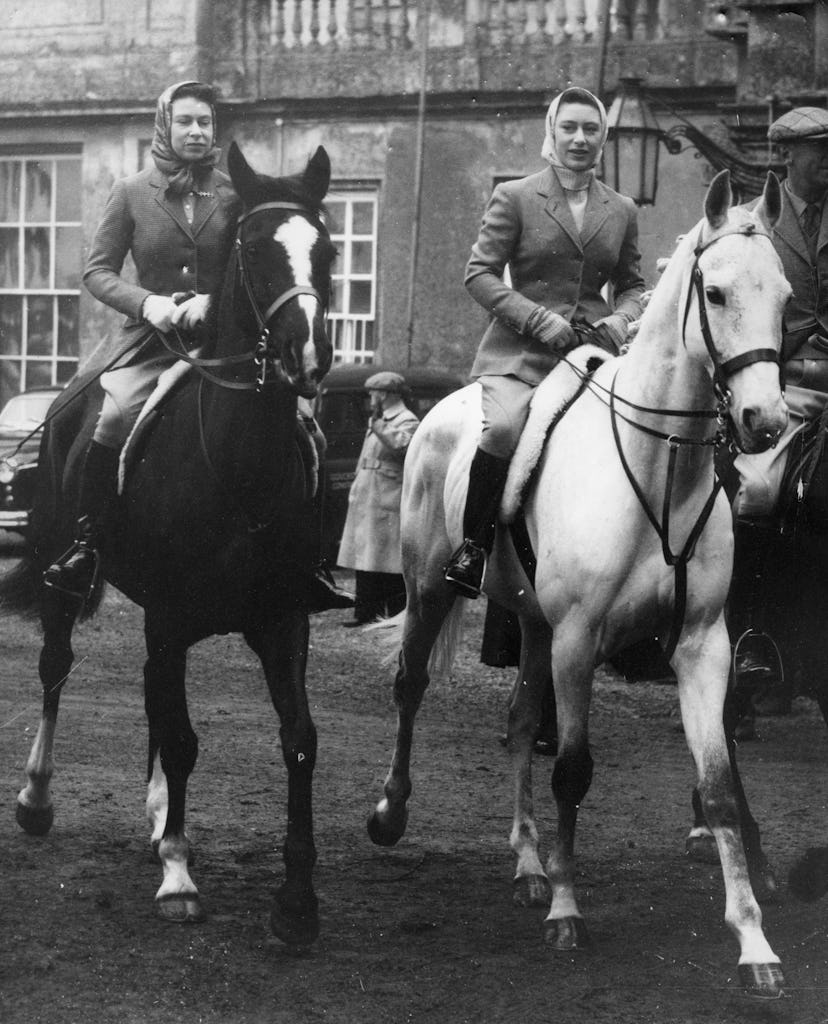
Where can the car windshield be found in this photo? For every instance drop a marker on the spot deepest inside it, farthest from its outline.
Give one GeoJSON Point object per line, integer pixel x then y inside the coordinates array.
{"type": "Point", "coordinates": [26, 412]}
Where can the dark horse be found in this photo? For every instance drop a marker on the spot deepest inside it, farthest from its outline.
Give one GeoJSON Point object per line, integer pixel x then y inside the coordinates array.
{"type": "Point", "coordinates": [210, 533]}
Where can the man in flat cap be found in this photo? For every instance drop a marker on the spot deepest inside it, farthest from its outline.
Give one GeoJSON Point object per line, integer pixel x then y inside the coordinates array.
{"type": "Point", "coordinates": [800, 237]}
{"type": "Point", "coordinates": [371, 537]}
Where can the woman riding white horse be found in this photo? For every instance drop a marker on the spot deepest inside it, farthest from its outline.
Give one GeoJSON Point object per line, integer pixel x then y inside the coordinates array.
{"type": "Point", "coordinates": [632, 537]}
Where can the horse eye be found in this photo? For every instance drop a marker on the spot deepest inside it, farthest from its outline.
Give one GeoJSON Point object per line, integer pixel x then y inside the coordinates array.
{"type": "Point", "coordinates": [715, 296]}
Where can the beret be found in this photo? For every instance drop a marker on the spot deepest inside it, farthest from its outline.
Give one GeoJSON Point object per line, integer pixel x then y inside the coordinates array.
{"type": "Point", "coordinates": [385, 380]}
{"type": "Point", "coordinates": [800, 123]}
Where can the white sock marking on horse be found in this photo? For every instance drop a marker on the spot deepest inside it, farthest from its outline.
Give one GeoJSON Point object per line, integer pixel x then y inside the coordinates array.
{"type": "Point", "coordinates": [157, 800]}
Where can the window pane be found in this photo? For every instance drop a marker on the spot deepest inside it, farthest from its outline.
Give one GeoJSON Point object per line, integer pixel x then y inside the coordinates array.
{"type": "Point", "coordinates": [11, 325]}
{"type": "Point", "coordinates": [361, 296]}
{"type": "Point", "coordinates": [9, 258]}
{"type": "Point", "coordinates": [36, 243]}
{"type": "Point", "coordinates": [361, 255]}
{"type": "Point", "coordinates": [38, 374]}
{"type": "Point", "coordinates": [363, 219]}
{"type": "Point", "coordinates": [65, 372]}
{"type": "Point", "coordinates": [9, 190]}
{"type": "Point", "coordinates": [68, 242]}
{"type": "Point", "coordinates": [9, 379]}
{"type": "Point", "coordinates": [68, 190]}
{"type": "Point", "coordinates": [68, 326]}
{"type": "Point", "coordinates": [38, 190]}
{"type": "Point", "coordinates": [40, 332]}
{"type": "Point", "coordinates": [336, 217]}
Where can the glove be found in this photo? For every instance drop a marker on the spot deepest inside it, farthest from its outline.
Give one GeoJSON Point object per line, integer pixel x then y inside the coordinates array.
{"type": "Point", "coordinates": [611, 331]}
{"type": "Point", "coordinates": [192, 311]}
{"type": "Point", "coordinates": [550, 329]}
{"type": "Point", "coordinates": [158, 310]}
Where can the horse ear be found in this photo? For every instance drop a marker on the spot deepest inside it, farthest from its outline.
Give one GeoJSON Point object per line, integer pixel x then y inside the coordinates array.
{"type": "Point", "coordinates": [718, 199]}
{"type": "Point", "coordinates": [244, 178]}
{"type": "Point", "coordinates": [769, 207]}
{"type": "Point", "coordinates": [317, 176]}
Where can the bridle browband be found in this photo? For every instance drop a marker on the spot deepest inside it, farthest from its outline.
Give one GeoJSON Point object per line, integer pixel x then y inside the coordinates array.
{"type": "Point", "coordinates": [263, 353]}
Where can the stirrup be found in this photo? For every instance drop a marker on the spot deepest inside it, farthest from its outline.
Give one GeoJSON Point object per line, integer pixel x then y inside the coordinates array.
{"type": "Point", "coordinates": [53, 577]}
{"type": "Point", "coordinates": [462, 574]}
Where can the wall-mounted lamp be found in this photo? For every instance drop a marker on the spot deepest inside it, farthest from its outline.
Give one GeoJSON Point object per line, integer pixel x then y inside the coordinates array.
{"type": "Point", "coordinates": [630, 160]}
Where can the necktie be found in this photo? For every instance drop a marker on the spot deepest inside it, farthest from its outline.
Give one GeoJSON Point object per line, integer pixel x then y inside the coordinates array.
{"type": "Point", "coordinates": [811, 218]}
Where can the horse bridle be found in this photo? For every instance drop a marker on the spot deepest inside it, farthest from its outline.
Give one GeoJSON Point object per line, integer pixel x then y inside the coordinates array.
{"type": "Point", "coordinates": [263, 354]}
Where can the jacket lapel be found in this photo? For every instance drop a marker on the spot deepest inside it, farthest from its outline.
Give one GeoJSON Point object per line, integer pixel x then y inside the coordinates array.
{"type": "Point", "coordinates": [557, 207]}
{"type": "Point", "coordinates": [172, 207]}
{"type": "Point", "coordinates": [595, 214]}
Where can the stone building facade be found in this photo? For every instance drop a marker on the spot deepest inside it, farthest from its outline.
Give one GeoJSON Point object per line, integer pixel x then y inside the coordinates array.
{"type": "Point", "coordinates": [81, 78]}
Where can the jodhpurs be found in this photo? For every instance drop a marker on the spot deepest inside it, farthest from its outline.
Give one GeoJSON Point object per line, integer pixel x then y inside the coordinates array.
{"type": "Point", "coordinates": [505, 410]}
{"type": "Point", "coordinates": [126, 389]}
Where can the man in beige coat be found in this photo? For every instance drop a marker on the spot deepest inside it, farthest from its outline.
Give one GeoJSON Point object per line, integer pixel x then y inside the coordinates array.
{"type": "Point", "coordinates": [371, 538]}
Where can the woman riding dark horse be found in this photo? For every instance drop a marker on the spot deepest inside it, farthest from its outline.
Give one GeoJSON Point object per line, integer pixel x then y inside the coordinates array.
{"type": "Point", "coordinates": [211, 530]}
{"type": "Point", "coordinates": [176, 219]}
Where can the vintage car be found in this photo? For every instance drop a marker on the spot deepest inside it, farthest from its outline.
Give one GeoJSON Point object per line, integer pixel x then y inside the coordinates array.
{"type": "Point", "coordinates": [21, 424]}
{"type": "Point", "coordinates": [341, 409]}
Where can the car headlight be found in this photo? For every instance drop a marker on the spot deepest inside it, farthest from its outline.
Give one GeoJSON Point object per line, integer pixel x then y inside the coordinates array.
{"type": "Point", "coordinates": [8, 470]}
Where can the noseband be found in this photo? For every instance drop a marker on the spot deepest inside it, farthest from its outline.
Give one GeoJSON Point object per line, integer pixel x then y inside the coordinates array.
{"type": "Point", "coordinates": [722, 371]}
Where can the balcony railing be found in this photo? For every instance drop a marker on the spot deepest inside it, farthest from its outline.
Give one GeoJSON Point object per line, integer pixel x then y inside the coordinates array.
{"type": "Point", "coordinates": [393, 24]}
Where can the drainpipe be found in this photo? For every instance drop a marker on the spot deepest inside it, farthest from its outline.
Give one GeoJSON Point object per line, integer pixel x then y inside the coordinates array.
{"type": "Point", "coordinates": [422, 24]}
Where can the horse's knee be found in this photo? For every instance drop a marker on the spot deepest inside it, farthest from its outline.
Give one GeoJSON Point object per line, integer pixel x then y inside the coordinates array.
{"type": "Point", "coordinates": [179, 753]}
{"type": "Point", "coordinates": [572, 775]}
{"type": "Point", "coordinates": [718, 802]}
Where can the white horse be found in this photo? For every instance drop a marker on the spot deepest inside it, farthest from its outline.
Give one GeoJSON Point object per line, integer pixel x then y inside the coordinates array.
{"type": "Point", "coordinates": [632, 538]}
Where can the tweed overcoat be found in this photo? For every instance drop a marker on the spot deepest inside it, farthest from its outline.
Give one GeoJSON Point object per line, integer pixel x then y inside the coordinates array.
{"type": "Point", "coordinates": [371, 536]}
{"type": "Point", "coordinates": [528, 226]}
{"type": "Point", "coordinates": [169, 254]}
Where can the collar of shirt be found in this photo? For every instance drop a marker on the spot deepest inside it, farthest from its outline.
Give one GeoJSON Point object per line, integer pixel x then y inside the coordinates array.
{"type": "Point", "coordinates": [798, 203]}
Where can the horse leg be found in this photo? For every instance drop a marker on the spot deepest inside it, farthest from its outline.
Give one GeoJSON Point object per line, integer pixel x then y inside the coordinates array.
{"type": "Point", "coordinates": [172, 737]}
{"type": "Point", "coordinates": [35, 812]}
{"type": "Point", "coordinates": [701, 844]}
{"type": "Point", "coordinates": [425, 614]}
{"type": "Point", "coordinates": [572, 670]}
{"type": "Point", "coordinates": [283, 651]}
{"type": "Point", "coordinates": [531, 886]}
{"type": "Point", "coordinates": [701, 667]}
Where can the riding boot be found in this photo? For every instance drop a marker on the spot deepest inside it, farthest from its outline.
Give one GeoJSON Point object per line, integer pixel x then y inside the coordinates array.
{"type": "Point", "coordinates": [757, 666]}
{"type": "Point", "coordinates": [467, 565]}
{"type": "Point", "coordinates": [74, 572]}
{"type": "Point", "coordinates": [323, 593]}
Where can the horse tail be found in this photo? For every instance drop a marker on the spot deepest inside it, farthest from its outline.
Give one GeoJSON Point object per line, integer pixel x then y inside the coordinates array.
{"type": "Point", "coordinates": [20, 588]}
{"type": "Point", "coordinates": [445, 646]}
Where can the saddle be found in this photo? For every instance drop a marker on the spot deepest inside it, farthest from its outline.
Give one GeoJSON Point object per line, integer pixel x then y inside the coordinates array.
{"type": "Point", "coordinates": [550, 402]}
{"type": "Point", "coordinates": [308, 438]}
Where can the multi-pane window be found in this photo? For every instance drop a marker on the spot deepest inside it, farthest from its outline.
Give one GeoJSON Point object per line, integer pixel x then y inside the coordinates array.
{"type": "Point", "coordinates": [40, 270]}
{"type": "Point", "coordinates": [352, 221]}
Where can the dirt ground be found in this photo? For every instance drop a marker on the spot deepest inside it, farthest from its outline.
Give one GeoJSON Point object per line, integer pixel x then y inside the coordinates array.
{"type": "Point", "coordinates": [425, 932]}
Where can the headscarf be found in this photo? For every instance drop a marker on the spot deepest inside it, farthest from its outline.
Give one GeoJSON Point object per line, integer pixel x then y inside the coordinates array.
{"type": "Point", "coordinates": [573, 180]}
{"type": "Point", "coordinates": [182, 176]}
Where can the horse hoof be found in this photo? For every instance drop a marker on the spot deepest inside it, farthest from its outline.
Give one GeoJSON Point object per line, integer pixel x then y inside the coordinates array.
{"type": "Point", "coordinates": [181, 908]}
{"type": "Point", "coordinates": [566, 933]}
{"type": "Point", "coordinates": [383, 830]}
{"type": "Point", "coordinates": [762, 981]}
{"type": "Point", "coordinates": [808, 879]}
{"type": "Point", "coordinates": [701, 847]}
{"type": "Point", "coordinates": [295, 924]}
{"type": "Point", "coordinates": [531, 891]}
{"type": "Point", "coordinates": [35, 821]}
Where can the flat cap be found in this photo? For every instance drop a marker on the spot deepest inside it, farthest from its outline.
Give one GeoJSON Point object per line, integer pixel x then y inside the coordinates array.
{"type": "Point", "coordinates": [801, 123]}
{"type": "Point", "coordinates": [386, 380]}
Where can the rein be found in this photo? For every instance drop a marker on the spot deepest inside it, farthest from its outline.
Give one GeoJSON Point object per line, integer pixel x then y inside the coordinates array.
{"type": "Point", "coordinates": [722, 371]}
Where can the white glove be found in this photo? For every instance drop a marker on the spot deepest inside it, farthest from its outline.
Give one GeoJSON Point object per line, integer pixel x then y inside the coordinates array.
{"type": "Point", "coordinates": [192, 311]}
{"type": "Point", "coordinates": [550, 329]}
{"type": "Point", "coordinates": [159, 310]}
